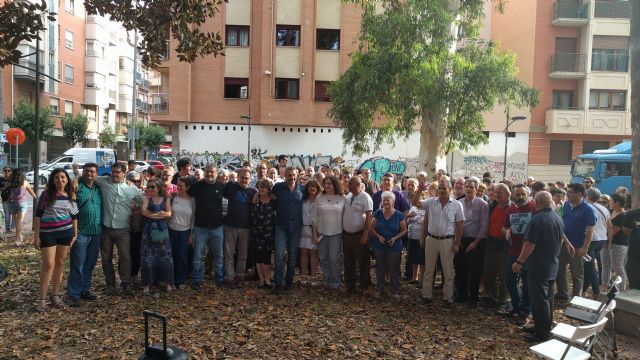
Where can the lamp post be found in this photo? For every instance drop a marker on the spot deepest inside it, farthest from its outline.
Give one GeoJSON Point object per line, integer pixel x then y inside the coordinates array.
{"type": "Point", "coordinates": [510, 120]}
{"type": "Point", "coordinates": [247, 118]}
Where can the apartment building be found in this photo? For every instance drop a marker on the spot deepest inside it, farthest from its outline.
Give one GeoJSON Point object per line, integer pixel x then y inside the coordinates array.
{"type": "Point", "coordinates": [577, 53]}
{"type": "Point", "coordinates": [279, 57]}
{"type": "Point", "coordinates": [89, 65]}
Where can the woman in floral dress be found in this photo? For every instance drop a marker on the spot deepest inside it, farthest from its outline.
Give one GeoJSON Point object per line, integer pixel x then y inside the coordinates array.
{"type": "Point", "coordinates": [263, 220]}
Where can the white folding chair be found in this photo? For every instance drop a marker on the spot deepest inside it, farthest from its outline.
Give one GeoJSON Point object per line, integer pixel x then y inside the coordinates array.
{"type": "Point", "coordinates": [557, 350]}
{"type": "Point", "coordinates": [566, 331]}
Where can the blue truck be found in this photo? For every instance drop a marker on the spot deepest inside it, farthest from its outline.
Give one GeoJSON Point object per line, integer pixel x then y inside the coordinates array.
{"type": "Point", "coordinates": [610, 168]}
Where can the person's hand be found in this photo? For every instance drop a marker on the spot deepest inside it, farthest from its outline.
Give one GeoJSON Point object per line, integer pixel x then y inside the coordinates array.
{"type": "Point", "coordinates": [516, 267]}
{"type": "Point", "coordinates": [472, 246]}
{"type": "Point", "coordinates": [36, 242]}
{"type": "Point", "coordinates": [507, 235]}
{"type": "Point", "coordinates": [571, 250]}
{"type": "Point", "coordinates": [381, 239]}
{"type": "Point", "coordinates": [190, 241]}
{"type": "Point", "coordinates": [582, 251]}
{"type": "Point", "coordinates": [455, 248]}
{"type": "Point", "coordinates": [392, 241]}
{"type": "Point", "coordinates": [254, 199]}
{"type": "Point", "coordinates": [73, 240]}
{"type": "Point", "coordinates": [314, 239]}
{"type": "Point", "coordinates": [364, 239]}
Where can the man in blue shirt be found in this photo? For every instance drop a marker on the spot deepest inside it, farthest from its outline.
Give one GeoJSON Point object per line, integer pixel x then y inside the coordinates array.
{"type": "Point", "coordinates": [579, 220]}
{"type": "Point", "coordinates": [288, 196]}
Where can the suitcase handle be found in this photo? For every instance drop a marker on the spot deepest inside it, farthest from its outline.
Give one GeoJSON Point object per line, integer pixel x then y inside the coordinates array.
{"type": "Point", "coordinates": [147, 314]}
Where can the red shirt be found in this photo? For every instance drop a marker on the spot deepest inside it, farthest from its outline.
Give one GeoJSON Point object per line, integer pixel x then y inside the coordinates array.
{"type": "Point", "coordinates": [518, 219]}
{"type": "Point", "coordinates": [496, 220]}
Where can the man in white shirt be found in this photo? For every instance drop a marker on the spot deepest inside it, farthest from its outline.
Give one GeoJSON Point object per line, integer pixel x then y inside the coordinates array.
{"type": "Point", "coordinates": [443, 226]}
{"type": "Point", "coordinates": [602, 232]}
{"type": "Point", "coordinates": [356, 220]}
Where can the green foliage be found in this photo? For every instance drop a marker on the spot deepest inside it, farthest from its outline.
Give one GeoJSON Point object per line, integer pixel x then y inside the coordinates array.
{"type": "Point", "coordinates": [156, 19]}
{"type": "Point", "coordinates": [152, 136]}
{"type": "Point", "coordinates": [107, 137]}
{"type": "Point", "coordinates": [406, 73]}
{"type": "Point", "coordinates": [24, 116]}
{"type": "Point", "coordinates": [19, 21]}
{"type": "Point", "coordinates": [74, 128]}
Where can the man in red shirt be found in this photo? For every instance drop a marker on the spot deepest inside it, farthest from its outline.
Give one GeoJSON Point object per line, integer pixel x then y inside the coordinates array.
{"type": "Point", "coordinates": [495, 249]}
{"type": "Point", "coordinates": [517, 219]}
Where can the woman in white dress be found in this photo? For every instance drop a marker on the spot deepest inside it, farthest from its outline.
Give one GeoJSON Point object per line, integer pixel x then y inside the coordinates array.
{"type": "Point", "coordinates": [308, 250]}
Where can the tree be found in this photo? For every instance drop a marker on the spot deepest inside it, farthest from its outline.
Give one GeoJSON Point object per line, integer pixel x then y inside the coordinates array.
{"type": "Point", "coordinates": [24, 116]}
{"type": "Point", "coordinates": [107, 137]}
{"type": "Point", "coordinates": [152, 136]}
{"type": "Point", "coordinates": [406, 75]}
{"type": "Point", "coordinates": [19, 21]}
{"type": "Point", "coordinates": [74, 128]}
{"type": "Point", "coordinates": [155, 20]}
{"type": "Point", "coordinates": [635, 100]}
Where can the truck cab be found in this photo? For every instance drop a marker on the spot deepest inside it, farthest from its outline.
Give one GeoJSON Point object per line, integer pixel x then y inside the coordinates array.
{"type": "Point", "coordinates": [610, 168]}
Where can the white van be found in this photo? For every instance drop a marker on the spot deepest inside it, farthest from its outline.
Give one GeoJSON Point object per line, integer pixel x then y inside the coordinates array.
{"type": "Point", "coordinates": [103, 157]}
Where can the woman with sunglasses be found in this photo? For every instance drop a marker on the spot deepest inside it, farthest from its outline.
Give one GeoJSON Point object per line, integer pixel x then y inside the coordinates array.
{"type": "Point", "coordinates": [55, 230]}
{"type": "Point", "coordinates": [155, 256]}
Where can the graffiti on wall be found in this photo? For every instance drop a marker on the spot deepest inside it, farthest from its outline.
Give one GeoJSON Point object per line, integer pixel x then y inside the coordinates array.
{"type": "Point", "coordinates": [380, 165]}
{"type": "Point", "coordinates": [227, 160]}
{"type": "Point", "coordinates": [473, 165]}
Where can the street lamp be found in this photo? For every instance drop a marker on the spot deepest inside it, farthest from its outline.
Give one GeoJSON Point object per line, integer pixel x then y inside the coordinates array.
{"type": "Point", "coordinates": [247, 118]}
{"type": "Point", "coordinates": [506, 139]}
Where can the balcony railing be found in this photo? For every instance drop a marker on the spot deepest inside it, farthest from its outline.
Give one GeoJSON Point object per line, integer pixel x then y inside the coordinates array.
{"type": "Point", "coordinates": [568, 63]}
{"type": "Point", "coordinates": [92, 53]}
{"type": "Point", "coordinates": [142, 106]}
{"type": "Point", "coordinates": [30, 73]}
{"type": "Point", "coordinates": [112, 96]}
{"type": "Point", "coordinates": [138, 76]}
{"type": "Point", "coordinates": [145, 84]}
{"type": "Point", "coordinates": [160, 103]}
{"type": "Point", "coordinates": [612, 9]}
{"type": "Point", "coordinates": [570, 9]}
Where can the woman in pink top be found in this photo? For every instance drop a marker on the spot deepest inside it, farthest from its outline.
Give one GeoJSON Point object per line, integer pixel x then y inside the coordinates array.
{"type": "Point", "coordinates": [18, 189]}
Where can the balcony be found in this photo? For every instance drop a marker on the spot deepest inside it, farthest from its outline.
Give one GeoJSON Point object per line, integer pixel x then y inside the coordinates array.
{"type": "Point", "coordinates": [145, 84]}
{"type": "Point", "coordinates": [612, 9]}
{"type": "Point", "coordinates": [570, 13]}
{"type": "Point", "coordinates": [568, 66]}
{"type": "Point", "coordinates": [142, 106]}
{"type": "Point", "coordinates": [30, 73]}
{"type": "Point", "coordinates": [591, 122]}
{"type": "Point", "coordinates": [160, 103]}
{"type": "Point", "coordinates": [112, 97]}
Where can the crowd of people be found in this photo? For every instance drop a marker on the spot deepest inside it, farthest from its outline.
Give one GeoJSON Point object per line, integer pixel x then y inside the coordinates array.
{"type": "Point", "coordinates": [174, 229]}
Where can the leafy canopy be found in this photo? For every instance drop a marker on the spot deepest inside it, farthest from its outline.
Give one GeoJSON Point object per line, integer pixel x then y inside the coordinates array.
{"type": "Point", "coordinates": [74, 128]}
{"type": "Point", "coordinates": [152, 136]}
{"type": "Point", "coordinates": [107, 137]}
{"type": "Point", "coordinates": [405, 71]}
{"type": "Point", "coordinates": [24, 116]}
{"type": "Point", "coordinates": [154, 19]}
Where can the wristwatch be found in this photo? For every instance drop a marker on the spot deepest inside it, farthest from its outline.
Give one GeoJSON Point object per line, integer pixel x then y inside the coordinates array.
{"type": "Point", "coordinates": [519, 263]}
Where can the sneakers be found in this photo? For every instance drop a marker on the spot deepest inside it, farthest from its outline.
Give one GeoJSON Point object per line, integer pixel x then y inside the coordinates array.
{"type": "Point", "coordinates": [195, 285]}
{"type": "Point", "coordinates": [128, 291]}
{"type": "Point", "coordinates": [87, 295]}
{"type": "Point", "coordinates": [74, 303]}
{"type": "Point", "coordinates": [110, 291]}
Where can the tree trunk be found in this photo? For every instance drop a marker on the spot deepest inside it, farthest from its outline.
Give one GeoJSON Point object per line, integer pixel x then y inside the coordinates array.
{"type": "Point", "coordinates": [635, 100]}
{"type": "Point", "coordinates": [431, 137]}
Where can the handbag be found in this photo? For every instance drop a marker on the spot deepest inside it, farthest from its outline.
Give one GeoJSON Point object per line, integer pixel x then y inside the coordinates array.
{"type": "Point", "coordinates": [158, 236]}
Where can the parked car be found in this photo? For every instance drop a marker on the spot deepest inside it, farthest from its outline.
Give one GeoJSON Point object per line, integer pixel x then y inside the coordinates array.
{"type": "Point", "coordinates": [103, 157]}
{"type": "Point", "coordinates": [44, 173]}
{"type": "Point", "coordinates": [143, 165]}
{"type": "Point", "coordinates": [156, 164]}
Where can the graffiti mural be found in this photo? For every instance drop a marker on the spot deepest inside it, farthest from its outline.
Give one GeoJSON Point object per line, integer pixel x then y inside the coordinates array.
{"type": "Point", "coordinates": [380, 165]}
{"type": "Point", "coordinates": [228, 161]}
{"type": "Point", "coordinates": [473, 165]}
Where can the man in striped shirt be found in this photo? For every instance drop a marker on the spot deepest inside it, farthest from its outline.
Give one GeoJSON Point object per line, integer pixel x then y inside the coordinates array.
{"type": "Point", "coordinates": [84, 252]}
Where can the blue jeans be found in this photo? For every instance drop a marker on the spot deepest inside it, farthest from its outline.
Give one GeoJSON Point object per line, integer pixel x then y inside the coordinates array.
{"type": "Point", "coordinates": [8, 218]}
{"type": "Point", "coordinates": [213, 239]}
{"type": "Point", "coordinates": [591, 276]}
{"type": "Point", "coordinates": [286, 241]}
{"type": "Point", "coordinates": [84, 254]}
{"type": "Point", "coordinates": [180, 252]}
{"type": "Point", "coordinates": [330, 254]}
{"type": "Point", "coordinates": [519, 300]}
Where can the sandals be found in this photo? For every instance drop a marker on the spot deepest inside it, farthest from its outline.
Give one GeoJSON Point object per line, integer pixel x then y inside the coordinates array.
{"type": "Point", "coordinates": [42, 308]}
{"type": "Point", "coordinates": [56, 301]}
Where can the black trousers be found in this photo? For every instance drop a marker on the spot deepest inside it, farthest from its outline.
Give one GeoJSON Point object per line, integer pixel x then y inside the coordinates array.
{"type": "Point", "coordinates": [134, 248]}
{"type": "Point", "coordinates": [468, 267]}
{"type": "Point", "coordinates": [541, 301]}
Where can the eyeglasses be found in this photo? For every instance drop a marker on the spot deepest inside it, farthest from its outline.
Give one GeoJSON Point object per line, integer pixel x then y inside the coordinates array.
{"type": "Point", "coordinates": [151, 187]}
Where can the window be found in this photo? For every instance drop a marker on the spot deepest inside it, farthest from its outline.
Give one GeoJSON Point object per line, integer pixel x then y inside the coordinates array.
{"type": "Point", "coordinates": [288, 35]}
{"type": "Point", "coordinates": [327, 39]}
{"type": "Point", "coordinates": [68, 107]}
{"type": "Point", "coordinates": [68, 73]}
{"type": "Point", "coordinates": [619, 168]}
{"type": "Point", "coordinates": [610, 60]}
{"type": "Point", "coordinates": [607, 100]}
{"type": "Point", "coordinates": [322, 91]}
{"type": "Point", "coordinates": [54, 105]}
{"type": "Point", "coordinates": [560, 152]}
{"type": "Point", "coordinates": [236, 88]}
{"type": "Point", "coordinates": [562, 99]}
{"type": "Point", "coordinates": [68, 39]}
{"type": "Point", "coordinates": [287, 89]}
{"type": "Point", "coordinates": [590, 146]}
{"type": "Point", "coordinates": [237, 35]}
{"type": "Point", "coordinates": [69, 5]}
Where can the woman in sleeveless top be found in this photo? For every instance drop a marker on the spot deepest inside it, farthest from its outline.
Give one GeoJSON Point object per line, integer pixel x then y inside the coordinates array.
{"type": "Point", "coordinates": [156, 259]}
{"type": "Point", "coordinates": [17, 202]}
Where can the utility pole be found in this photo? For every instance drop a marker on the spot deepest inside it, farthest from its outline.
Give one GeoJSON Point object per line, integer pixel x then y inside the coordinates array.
{"type": "Point", "coordinates": [634, 50]}
{"type": "Point", "coordinates": [132, 141]}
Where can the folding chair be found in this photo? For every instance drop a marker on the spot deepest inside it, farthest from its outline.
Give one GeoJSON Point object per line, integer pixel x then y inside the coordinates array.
{"type": "Point", "coordinates": [566, 331]}
{"type": "Point", "coordinates": [557, 350]}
